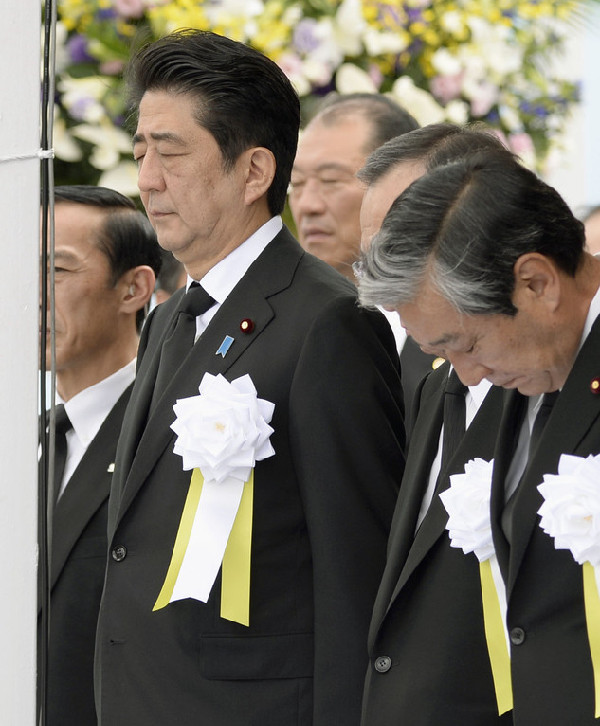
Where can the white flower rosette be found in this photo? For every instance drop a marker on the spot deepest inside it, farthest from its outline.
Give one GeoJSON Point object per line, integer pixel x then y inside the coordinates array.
{"type": "Point", "coordinates": [570, 514]}
{"type": "Point", "coordinates": [222, 432]}
{"type": "Point", "coordinates": [467, 502]}
{"type": "Point", "coordinates": [571, 509]}
{"type": "Point", "coordinates": [225, 430]}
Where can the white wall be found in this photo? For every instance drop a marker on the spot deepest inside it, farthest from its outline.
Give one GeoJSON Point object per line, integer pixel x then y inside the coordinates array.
{"type": "Point", "coordinates": [19, 237]}
{"type": "Point", "coordinates": [575, 171]}
{"type": "Point", "coordinates": [591, 125]}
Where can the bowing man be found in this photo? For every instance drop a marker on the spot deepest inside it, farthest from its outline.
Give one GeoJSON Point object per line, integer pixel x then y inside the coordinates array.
{"type": "Point", "coordinates": [489, 270]}
{"type": "Point", "coordinates": [416, 647]}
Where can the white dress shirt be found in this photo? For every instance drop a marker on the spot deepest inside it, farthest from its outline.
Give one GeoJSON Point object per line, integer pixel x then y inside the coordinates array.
{"type": "Point", "coordinates": [87, 412]}
{"type": "Point", "coordinates": [398, 331]}
{"type": "Point", "coordinates": [473, 400]}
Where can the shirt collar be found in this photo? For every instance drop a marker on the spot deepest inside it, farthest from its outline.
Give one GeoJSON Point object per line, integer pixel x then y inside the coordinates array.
{"type": "Point", "coordinates": [593, 313]}
{"type": "Point", "coordinates": [88, 409]}
{"type": "Point", "coordinates": [220, 280]}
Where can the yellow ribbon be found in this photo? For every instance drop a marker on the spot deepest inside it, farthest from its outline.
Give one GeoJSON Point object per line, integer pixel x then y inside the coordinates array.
{"type": "Point", "coordinates": [496, 640]}
{"type": "Point", "coordinates": [235, 570]}
{"type": "Point", "coordinates": [235, 578]}
{"type": "Point", "coordinates": [592, 618]}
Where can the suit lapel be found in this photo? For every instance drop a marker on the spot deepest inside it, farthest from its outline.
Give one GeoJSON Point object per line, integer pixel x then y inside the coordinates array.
{"type": "Point", "coordinates": [272, 272]}
{"type": "Point", "coordinates": [577, 405]}
{"type": "Point", "coordinates": [422, 450]}
{"type": "Point", "coordinates": [88, 488]}
{"type": "Point", "coordinates": [478, 441]}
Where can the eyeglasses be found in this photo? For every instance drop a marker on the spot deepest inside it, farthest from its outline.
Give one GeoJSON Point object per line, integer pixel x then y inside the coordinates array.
{"type": "Point", "coordinates": [358, 268]}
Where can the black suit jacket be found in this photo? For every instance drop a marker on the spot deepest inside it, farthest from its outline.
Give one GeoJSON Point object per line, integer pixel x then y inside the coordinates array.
{"type": "Point", "coordinates": [78, 563]}
{"type": "Point", "coordinates": [429, 664]}
{"type": "Point", "coordinates": [322, 509]}
{"type": "Point", "coordinates": [550, 654]}
{"type": "Point", "coordinates": [415, 366]}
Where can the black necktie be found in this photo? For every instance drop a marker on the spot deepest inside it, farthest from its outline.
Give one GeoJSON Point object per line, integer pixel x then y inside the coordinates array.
{"type": "Point", "coordinates": [541, 418]}
{"type": "Point", "coordinates": [181, 340]}
{"type": "Point", "coordinates": [62, 425]}
{"type": "Point", "coordinates": [454, 417]}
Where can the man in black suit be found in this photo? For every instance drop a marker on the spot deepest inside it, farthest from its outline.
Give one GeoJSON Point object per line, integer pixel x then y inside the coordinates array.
{"type": "Point", "coordinates": [517, 304]}
{"type": "Point", "coordinates": [408, 622]}
{"type": "Point", "coordinates": [325, 194]}
{"type": "Point", "coordinates": [215, 141]}
{"type": "Point", "coordinates": [106, 258]}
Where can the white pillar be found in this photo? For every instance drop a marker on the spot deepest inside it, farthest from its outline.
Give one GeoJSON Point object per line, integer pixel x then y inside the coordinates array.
{"type": "Point", "coordinates": [19, 275]}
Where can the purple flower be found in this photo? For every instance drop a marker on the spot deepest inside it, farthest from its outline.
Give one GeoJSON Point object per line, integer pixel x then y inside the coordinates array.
{"type": "Point", "coordinates": [77, 47]}
{"type": "Point", "coordinates": [305, 39]}
{"type": "Point", "coordinates": [107, 13]}
{"type": "Point", "coordinates": [79, 108]}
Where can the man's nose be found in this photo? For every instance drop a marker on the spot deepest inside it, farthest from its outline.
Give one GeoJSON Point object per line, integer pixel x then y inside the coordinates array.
{"type": "Point", "coordinates": [469, 371]}
{"type": "Point", "coordinates": [150, 177]}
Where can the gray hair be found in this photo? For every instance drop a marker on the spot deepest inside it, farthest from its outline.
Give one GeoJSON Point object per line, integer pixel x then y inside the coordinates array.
{"type": "Point", "coordinates": [462, 226]}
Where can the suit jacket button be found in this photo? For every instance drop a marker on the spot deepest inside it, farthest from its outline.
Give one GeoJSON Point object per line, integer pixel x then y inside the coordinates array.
{"type": "Point", "coordinates": [119, 553]}
{"type": "Point", "coordinates": [517, 636]}
{"type": "Point", "coordinates": [383, 664]}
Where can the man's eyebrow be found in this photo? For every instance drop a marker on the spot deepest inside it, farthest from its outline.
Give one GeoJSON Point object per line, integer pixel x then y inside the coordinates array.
{"type": "Point", "coordinates": [158, 136]}
{"type": "Point", "coordinates": [65, 256]}
{"type": "Point", "coordinates": [444, 340]}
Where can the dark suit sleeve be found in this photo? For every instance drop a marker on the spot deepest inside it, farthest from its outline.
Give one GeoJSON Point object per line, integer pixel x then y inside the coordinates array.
{"type": "Point", "coordinates": [347, 440]}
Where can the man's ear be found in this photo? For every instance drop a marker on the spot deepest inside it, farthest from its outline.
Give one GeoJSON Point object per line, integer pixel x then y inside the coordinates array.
{"type": "Point", "coordinates": [537, 280]}
{"type": "Point", "coordinates": [260, 172]}
{"type": "Point", "coordinates": [138, 286]}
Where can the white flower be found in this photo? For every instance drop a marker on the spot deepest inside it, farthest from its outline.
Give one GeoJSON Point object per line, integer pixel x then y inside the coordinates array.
{"type": "Point", "coordinates": [225, 9]}
{"type": "Point", "coordinates": [446, 63]}
{"type": "Point", "coordinates": [453, 21]}
{"type": "Point", "coordinates": [510, 118]}
{"type": "Point", "coordinates": [123, 178]}
{"type": "Point", "coordinates": [457, 112]}
{"type": "Point", "coordinates": [83, 97]}
{"type": "Point", "coordinates": [352, 79]}
{"type": "Point", "coordinates": [224, 431]}
{"type": "Point", "coordinates": [109, 141]}
{"type": "Point", "coordinates": [383, 42]}
{"type": "Point", "coordinates": [571, 509]}
{"type": "Point", "coordinates": [417, 102]}
{"type": "Point", "coordinates": [291, 64]}
{"type": "Point", "coordinates": [467, 502]}
{"type": "Point", "coordinates": [350, 26]}
{"type": "Point", "coordinates": [65, 147]}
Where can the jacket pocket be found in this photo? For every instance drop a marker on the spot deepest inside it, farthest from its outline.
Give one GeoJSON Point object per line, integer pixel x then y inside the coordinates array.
{"type": "Point", "coordinates": [257, 657]}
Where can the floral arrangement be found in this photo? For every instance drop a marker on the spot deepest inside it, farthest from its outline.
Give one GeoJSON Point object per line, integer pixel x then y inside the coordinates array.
{"type": "Point", "coordinates": [456, 60]}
